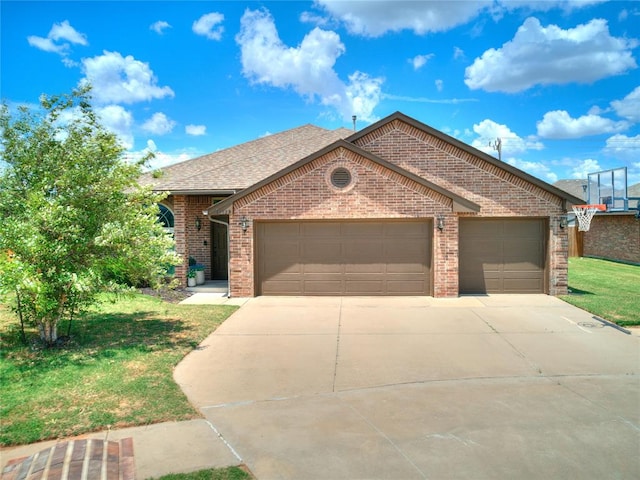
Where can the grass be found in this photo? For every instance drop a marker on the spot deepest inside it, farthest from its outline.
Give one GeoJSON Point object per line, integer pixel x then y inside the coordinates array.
{"type": "Point", "coordinates": [230, 473]}
{"type": "Point", "coordinates": [607, 289]}
{"type": "Point", "coordinates": [116, 371]}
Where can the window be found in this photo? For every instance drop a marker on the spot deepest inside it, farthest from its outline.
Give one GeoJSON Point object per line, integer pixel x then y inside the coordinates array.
{"type": "Point", "coordinates": [165, 217]}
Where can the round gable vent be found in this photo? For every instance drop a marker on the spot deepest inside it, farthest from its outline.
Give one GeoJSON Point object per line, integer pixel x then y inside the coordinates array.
{"type": "Point", "coordinates": [341, 177]}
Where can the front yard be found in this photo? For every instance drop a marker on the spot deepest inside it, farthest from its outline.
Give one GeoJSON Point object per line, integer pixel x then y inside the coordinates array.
{"type": "Point", "coordinates": [116, 371]}
{"type": "Point", "coordinates": [607, 289]}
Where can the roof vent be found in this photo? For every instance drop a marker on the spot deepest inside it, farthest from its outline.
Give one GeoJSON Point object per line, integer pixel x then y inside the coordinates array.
{"type": "Point", "coordinates": [341, 177]}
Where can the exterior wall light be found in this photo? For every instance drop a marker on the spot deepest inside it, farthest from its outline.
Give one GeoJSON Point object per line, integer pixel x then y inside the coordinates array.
{"type": "Point", "coordinates": [198, 223]}
{"type": "Point", "coordinates": [440, 222]}
{"type": "Point", "coordinates": [563, 221]}
{"type": "Point", "coordinates": [244, 223]}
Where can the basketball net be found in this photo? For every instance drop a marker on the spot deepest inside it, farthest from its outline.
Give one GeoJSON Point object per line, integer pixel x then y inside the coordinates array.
{"type": "Point", "coordinates": [584, 214]}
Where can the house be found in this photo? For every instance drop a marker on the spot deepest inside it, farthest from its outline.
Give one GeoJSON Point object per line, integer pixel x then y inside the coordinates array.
{"type": "Point", "coordinates": [397, 208]}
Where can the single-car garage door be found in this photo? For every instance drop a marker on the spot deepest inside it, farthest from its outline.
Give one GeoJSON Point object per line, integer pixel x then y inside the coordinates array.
{"type": "Point", "coordinates": [343, 258]}
{"type": "Point", "coordinates": [502, 255]}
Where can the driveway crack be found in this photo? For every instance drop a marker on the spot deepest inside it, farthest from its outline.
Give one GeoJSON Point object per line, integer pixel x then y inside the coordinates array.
{"type": "Point", "coordinates": [335, 367]}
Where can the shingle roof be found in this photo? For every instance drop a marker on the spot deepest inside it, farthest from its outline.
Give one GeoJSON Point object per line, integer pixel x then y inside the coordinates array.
{"type": "Point", "coordinates": [243, 165]}
{"type": "Point", "coordinates": [572, 186]}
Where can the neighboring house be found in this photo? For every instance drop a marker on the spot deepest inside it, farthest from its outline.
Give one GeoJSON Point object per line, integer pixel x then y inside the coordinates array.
{"type": "Point", "coordinates": [613, 235]}
{"type": "Point", "coordinates": [398, 208]}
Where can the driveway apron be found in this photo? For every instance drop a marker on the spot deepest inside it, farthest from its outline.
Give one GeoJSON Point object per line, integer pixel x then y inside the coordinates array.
{"type": "Point", "coordinates": [488, 387]}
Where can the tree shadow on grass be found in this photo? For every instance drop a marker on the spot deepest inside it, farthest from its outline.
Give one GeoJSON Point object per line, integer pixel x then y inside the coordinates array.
{"type": "Point", "coordinates": [96, 336]}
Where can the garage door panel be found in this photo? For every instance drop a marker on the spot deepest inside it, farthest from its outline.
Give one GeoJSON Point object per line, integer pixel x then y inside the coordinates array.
{"type": "Point", "coordinates": [502, 256]}
{"type": "Point", "coordinates": [364, 268]}
{"type": "Point", "coordinates": [345, 258]}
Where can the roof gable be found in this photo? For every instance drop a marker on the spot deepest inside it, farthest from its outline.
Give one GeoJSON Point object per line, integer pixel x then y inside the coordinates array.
{"type": "Point", "coordinates": [459, 204]}
{"type": "Point", "coordinates": [447, 141]}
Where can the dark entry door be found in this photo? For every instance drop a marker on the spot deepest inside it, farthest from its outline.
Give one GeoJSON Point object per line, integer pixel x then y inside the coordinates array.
{"type": "Point", "coordinates": [219, 252]}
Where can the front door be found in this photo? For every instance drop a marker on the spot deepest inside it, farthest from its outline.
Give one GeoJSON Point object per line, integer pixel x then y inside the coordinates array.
{"type": "Point", "coordinates": [219, 252]}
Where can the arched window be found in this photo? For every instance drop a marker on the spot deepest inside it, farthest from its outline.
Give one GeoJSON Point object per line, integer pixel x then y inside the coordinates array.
{"type": "Point", "coordinates": [165, 217]}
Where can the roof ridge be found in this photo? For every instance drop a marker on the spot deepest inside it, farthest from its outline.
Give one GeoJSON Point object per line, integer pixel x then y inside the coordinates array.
{"type": "Point", "coordinates": [302, 140]}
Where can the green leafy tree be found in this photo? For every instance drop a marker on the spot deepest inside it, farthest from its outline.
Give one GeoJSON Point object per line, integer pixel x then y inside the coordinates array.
{"type": "Point", "coordinates": [73, 220]}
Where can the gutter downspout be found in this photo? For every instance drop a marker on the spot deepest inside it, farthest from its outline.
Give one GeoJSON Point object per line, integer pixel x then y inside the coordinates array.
{"type": "Point", "coordinates": [228, 251]}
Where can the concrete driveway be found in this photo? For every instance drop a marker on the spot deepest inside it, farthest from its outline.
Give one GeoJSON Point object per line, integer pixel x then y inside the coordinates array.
{"type": "Point", "coordinates": [401, 388]}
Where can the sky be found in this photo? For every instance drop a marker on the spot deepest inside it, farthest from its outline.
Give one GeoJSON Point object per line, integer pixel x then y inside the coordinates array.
{"type": "Point", "coordinates": [556, 81]}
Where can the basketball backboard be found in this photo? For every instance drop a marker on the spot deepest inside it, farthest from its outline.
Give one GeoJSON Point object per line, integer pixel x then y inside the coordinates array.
{"type": "Point", "coordinates": [608, 187]}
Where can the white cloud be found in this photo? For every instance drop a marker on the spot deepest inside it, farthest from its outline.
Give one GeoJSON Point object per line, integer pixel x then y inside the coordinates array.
{"type": "Point", "coordinates": [160, 159]}
{"type": "Point", "coordinates": [536, 169]}
{"type": "Point", "coordinates": [59, 39]}
{"type": "Point", "coordinates": [375, 18]}
{"type": "Point", "coordinates": [158, 124]}
{"type": "Point", "coordinates": [195, 130]}
{"type": "Point", "coordinates": [559, 124]}
{"type": "Point", "coordinates": [47, 45]}
{"type": "Point", "coordinates": [439, 84]}
{"type": "Point", "coordinates": [623, 147]}
{"type": "Point", "coordinates": [420, 61]}
{"type": "Point", "coordinates": [64, 31]}
{"type": "Point", "coordinates": [209, 26]}
{"type": "Point", "coordinates": [584, 168]}
{"type": "Point", "coordinates": [308, 68]}
{"type": "Point", "coordinates": [119, 121]}
{"type": "Point", "coordinates": [629, 106]}
{"type": "Point", "coordinates": [118, 79]}
{"type": "Point", "coordinates": [159, 27]}
{"type": "Point", "coordinates": [551, 55]}
{"type": "Point", "coordinates": [458, 53]}
{"type": "Point", "coordinates": [512, 144]}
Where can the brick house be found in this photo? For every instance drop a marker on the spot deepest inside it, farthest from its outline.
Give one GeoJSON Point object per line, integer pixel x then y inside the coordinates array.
{"type": "Point", "coordinates": [398, 208]}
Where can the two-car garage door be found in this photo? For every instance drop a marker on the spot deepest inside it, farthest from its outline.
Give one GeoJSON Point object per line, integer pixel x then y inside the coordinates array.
{"type": "Point", "coordinates": [344, 258]}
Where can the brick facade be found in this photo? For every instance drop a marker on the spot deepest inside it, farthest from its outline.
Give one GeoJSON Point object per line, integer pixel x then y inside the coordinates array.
{"type": "Point", "coordinates": [615, 236]}
{"type": "Point", "coordinates": [378, 192]}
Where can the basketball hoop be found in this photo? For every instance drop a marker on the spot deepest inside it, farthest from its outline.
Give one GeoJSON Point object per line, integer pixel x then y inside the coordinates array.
{"type": "Point", "coordinates": [584, 214]}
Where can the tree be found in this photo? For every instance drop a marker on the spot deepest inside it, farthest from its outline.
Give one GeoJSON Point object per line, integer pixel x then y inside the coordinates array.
{"type": "Point", "coordinates": [73, 220]}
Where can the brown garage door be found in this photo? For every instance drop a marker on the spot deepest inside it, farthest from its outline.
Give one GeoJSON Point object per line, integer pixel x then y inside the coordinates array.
{"type": "Point", "coordinates": [344, 258]}
{"type": "Point", "coordinates": [502, 255]}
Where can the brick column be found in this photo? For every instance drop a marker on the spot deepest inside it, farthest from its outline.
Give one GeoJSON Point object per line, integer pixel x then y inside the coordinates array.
{"type": "Point", "coordinates": [180, 235]}
{"type": "Point", "coordinates": [445, 255]}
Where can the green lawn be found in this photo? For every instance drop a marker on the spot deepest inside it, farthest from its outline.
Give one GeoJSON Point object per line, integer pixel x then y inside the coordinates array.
{"type": "Point", "coordinates": [116, 371]}
{"type": "Point", "coordinates": [230, 473]}
{"type": "Point", "coordinates": [607, 289]}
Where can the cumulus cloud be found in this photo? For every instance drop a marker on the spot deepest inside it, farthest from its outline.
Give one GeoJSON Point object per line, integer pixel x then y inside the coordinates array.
{"type": "Point", "coordinates": [159, 27]}
{"type": "Point", "coordinates": [584, 168]}
{"type": "Point", "coordinates": [195, 130]}
{"type": "Point", "coordinates": [420, 61]}
{"type": "Point", "coordinates": [629, 106]}
{"type": "Point", "coordinates": [559, 124]}
{"type": "Point", "coordinates": [375, 18]}
{"type": "Point", "coordinates": [551, 55]}
{"type": "Point", "coordinates": [209, 26]}
{"type": "Point", "coordinates": [489, 131]}
{"type": "Point", "coordinates": [159, 124]}
{"type": "Point", "coordinates": [59, 39]}
{"type": "Point", "coordinates": [308, 69]}
{"type": "Point", "coordinates": [623, 147]}
{"type": "Point", "coordinates": [119, 121]}
{"type": "Point", "coordinates": [118, 79]}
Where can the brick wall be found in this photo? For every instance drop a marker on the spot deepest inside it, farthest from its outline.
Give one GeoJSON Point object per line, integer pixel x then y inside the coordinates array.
{"type": "Point", "coordinates": [613, 236]}
{"type": "Point", "coordinates": [189, 240]}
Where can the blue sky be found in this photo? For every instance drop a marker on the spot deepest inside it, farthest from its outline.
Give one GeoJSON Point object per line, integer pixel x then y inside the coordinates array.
{"type": "Point", "coordinates": [557, 81]}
